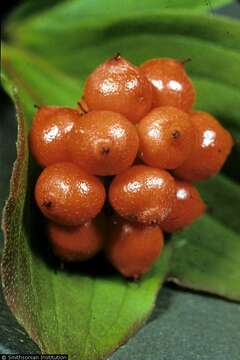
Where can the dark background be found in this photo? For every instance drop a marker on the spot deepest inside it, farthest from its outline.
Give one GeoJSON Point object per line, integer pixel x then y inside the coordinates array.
{"type": "Point", "coordinates": [6, 7]}
{"type": "Point", "coordinates": [183, 326]}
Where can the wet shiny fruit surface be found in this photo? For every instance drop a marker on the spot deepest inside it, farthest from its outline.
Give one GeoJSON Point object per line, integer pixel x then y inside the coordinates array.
{"type": "Point", "coordinates": [132, 248]}
{"type": "Point", "coordinates": [188, 207]}
{"type": "Point", "coordinates": [133, 136]}
{"type": "Point", "coordinates": [143, 194]}
{"type": "Point", "coordinates": [212, 146]}
{"type": "Point", "coordinates": [50, 134]}
{"type": "Point", "coordinates": [171, 84]}
{"type": "Point", "coordinates": [68, 195]}
{"type": "Point", "coordinates": [118, 86]}
{"type": "Point", "coordinates": [104, 143]}
{"type": "Point", "coordinates": [76, 243]}
{"type": "Point", "coordinates": [166, 137]}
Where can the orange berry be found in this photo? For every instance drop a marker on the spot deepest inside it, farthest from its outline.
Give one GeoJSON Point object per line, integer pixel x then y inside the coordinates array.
{"type": "Point", "coordinates": [118, 86]}
{"type": "Point", "coordinates": [143, 194]}
{"type": "Point", "coordinates": [166, 137]}
{"type": "Point", "coordinates": [188, 207]}
{"type": "Point", "coordinates": [103, 143]}
{"type": "Point", "coordinates": [76, 243]}
{"type": "Point", "coordinates": [132, 248]}
{"type": "Point", "coordinates": [67, 195]}
{"type": "Point", "coordinates": [212, 146]}
{"type": "Point", "coordinates": [50, 133]}
{"type": "Point", "coordinates": [171, 84]}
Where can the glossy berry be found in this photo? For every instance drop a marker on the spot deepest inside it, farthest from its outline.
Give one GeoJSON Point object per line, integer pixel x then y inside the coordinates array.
{"type": "Point", "coordinates": [132, 248]}
{"type": "Point", "coordinates": [118, 86]}
{"type": "Point", "coordinates": [67, 195]}
{"type": "Point", "coordinates": [50, 134]}
{"type": "Point", "coordinates": [171, 84]}
{"type": "Point", "coordinates": [104, 143]}
{"type": "Point", "coordinates": [212, 146]}
{"type": "Point", "coordinates": [143, 194]}
{"type": "Point", "coordinates": [188, 207]}
{"type": "Point", "coordinates": [166, 137]}
{"type": "Point", "coordinates": [76, 243]}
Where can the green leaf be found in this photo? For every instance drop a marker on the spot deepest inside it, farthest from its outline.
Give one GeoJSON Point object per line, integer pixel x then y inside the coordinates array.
{"type": "Point", "coordinates": [222, 197]}
{"type": "Point", "coordinates": [49, 53]}
{"type": "Point", "coordinates": [88, 8]}
{"type": "Point", "coordinates": [44, 34]}
{"type": "Point", "coordinates": [206, 257]}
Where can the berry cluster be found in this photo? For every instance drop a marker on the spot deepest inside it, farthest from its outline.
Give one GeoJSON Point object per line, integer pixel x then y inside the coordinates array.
{"type": "Point", "coordinates": [135, 137]}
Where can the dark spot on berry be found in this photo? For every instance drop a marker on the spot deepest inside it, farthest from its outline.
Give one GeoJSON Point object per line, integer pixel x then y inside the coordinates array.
{"type": "Point", "coordinates": [132, 218]}
{"type": "Point", "coordinates": [176, 134]}
{"type": "Point", "coordinates": [117, 56]}
{"type": "Point", "coordinates": [47, 204]}
{"type": "Point", "coordinates": [105, 150]}
{"type": "Point", "coordinates": [82, 106]}
{"type": "Point", "coordinates": [154, 222]}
